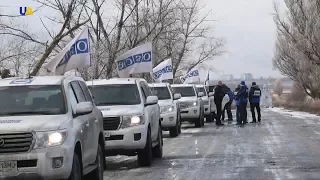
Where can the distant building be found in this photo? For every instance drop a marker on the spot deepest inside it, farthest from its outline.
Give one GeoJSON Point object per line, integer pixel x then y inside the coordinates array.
{"type": "Point", "coordinates": [227, 77]}
{"type": "Point", "coordinates": [247, 77]}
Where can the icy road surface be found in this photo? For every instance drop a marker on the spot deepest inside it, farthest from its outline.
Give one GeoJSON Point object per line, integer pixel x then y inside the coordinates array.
{"type": "Point", "coordinates": [286, 145]}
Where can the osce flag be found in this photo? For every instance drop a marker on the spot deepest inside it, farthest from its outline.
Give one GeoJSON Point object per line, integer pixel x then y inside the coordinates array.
{"type": "Point", "coordinates": [75, 55]}
{"type": "Point", "coordinates": [192, 76]}
{"type": "Point", "coordinates": [163, 71]}
{"type": "Point", "coordinates": [136, 60]}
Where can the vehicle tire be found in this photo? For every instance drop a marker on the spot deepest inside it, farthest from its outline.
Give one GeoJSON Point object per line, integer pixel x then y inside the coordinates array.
{"type": "Point", "coordinates": [97, 174]}
{"type": "Point", "coordinates": [76, 172]}
{"type": "Point", "coordinates": [202, 118]}
{"type": "Point", "coordinates": [158, 149]}
{"type": "Point", "coordinates": [179, 123]}
{"type": "Point", "coordinates": [174, 131]}
{"type": "Point", "coordinates": [145, 155]}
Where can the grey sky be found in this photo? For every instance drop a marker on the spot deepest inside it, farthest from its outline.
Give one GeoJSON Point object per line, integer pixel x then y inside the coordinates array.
{"type": "Point", "coordinates": [246, 25]}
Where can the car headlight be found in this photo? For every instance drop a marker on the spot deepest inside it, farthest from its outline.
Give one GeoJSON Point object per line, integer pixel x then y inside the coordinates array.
{"type": "Point", "coordinates": [193, 103]}
{"type": "Point", "coordinates": [130, 121]}
{"type": "Point", "coordinates": [167, 109]}
{"type": "Point", "coordinates": [50, 138]}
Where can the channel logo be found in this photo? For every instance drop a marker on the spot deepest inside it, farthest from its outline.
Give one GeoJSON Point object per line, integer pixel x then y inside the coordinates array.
{"type": "Point", "coordinates": [26, 11]}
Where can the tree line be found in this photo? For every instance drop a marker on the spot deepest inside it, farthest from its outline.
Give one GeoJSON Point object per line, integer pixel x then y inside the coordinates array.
{"type": "Point", "coordinates": [181, 30]}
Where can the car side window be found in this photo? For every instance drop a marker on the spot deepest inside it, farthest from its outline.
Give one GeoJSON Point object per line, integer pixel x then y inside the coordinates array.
{"type": "Point", "coordinates": [78, 91]}
{"type": "Point", "coordinates": [72, 96]}
{"type": "Point", "coordinates": [143, 92]}
{"type": "Point", "coordinates": [147, 89]}
{"type": "Point", "coordinates": [86, 91]}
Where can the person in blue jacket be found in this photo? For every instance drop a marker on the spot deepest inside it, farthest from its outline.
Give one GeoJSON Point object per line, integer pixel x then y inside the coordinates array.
{"type": "Point", "coordinates": [254, 99]}
{"type": "Point", "coordinates": [237, 102]}
{"type": "Point", "coordinates": [227, 106]}
{"type": "Point", "coordinates": [243, 100]}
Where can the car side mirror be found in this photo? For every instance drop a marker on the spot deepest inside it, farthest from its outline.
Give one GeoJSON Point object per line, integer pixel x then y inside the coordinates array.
{"type": "Point", "coordinates": [200, 94]}
{"type": "Point", "coordinates": [176, 96]}
{"type": "Point", "coordinates": [84, 108]}
{"type": "Point", "coordinates": [151, 100]}
{"type": "Point", "coordinates": [211, 94]}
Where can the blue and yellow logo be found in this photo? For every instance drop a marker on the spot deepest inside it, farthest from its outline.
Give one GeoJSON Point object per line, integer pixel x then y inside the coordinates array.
{"type": "Point", "coordinates": [26, 11]}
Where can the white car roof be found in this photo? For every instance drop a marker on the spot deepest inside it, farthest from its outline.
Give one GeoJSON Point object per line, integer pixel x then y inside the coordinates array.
{"type": "Point", "coordinates": [158, 84]}
{"type": "Point", "coordinates": [98, 82]}
{"type": "Point", "coordinates": [37, 80]}
{"type": "Point", "coordinates": [182, 85]}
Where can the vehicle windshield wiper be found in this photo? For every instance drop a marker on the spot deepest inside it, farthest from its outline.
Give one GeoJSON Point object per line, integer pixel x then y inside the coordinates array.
{"type": "Point", "coordinates": [29, 113]}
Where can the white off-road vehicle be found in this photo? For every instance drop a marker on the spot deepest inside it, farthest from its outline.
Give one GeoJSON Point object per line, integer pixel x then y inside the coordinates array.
{"type": "Point", "coordinates": [131, 118]}
{"type": "Point", "coordinates": [191, 104]}
{"type": "Point", "coordinates": [169, 106]}
{"type": "Point", "coordinates": [50, 129]}
{"type": "Point", "coordinates": [208, 112]}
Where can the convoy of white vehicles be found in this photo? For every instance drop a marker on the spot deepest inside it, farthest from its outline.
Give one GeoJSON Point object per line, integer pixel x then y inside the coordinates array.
{"type": "Point", "coordinates": [60, 127]}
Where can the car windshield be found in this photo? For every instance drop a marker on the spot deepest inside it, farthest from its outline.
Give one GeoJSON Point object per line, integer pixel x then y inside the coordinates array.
{"type": "Point", "coordinates": [30, 100]}
{"type": "Point", "coordinates": [162, 92]}
{"type": "Point", "coordinates": [119, 94]}
{"type": "Point", "coordinates": [201, 89]}
{"type": "Point", "coordinates": [184, 91]}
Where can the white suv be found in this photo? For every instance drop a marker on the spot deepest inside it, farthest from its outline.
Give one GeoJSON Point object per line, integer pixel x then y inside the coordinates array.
{"type": "Point", "coordinates": [209, 114]}
{"type": "Point", "coordinates": [50, 129]}
{"type": "Point", "coordinates": [169, 105]}
{"type": "Point", "coordinates": [191, 104]}
{"type": "Point", "coordinates": [131, 118]}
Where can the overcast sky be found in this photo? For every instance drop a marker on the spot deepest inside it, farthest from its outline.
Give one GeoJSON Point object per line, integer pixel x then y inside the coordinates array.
{"type": "Point", "coordinates": [246, 25]}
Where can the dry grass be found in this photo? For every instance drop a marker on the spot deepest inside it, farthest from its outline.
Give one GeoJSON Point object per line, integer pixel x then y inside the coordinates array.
{"type": "Point", "coordinates": [307, 105]}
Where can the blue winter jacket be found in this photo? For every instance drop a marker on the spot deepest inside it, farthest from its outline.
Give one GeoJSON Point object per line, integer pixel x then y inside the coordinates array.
{"type": "Point", "coordinates": [254, 94]}
{"type": "Point", "coordinates": [243, 94]}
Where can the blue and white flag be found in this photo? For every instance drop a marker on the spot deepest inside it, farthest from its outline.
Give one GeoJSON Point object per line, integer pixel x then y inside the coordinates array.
{"type": "Point", "coordinates": [75, 55]}
{"type": "Point", "coordinates": [163, 71]}
{"type": "Point", "coordinates": [193, 76]}
{"type": "Point", "coordinates": [136, 60]}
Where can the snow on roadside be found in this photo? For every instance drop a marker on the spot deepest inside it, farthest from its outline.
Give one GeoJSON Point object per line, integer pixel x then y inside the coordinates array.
{"type": "Point", "coordinates": [296, 114]}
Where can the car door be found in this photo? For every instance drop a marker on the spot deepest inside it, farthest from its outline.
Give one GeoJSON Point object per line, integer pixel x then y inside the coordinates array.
{"type": "Point", "coordinates": [151, 110]}
{"type": "Point", "coordinates": [87, 131]}
{"type": "Point", "coordinates": [95, 124]}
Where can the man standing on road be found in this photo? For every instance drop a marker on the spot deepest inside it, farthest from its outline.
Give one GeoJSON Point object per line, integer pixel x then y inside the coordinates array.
{"type": "Point", "coordinates": [236, 99]}
{"type": "Point", "coordinates": [254, 99]}
{"type": "Point", "coordinates": [218, 97]}
{"type": "Point", "coordinates": [243, 98]}
{"type": "Point", "coordinates": [227, 107]}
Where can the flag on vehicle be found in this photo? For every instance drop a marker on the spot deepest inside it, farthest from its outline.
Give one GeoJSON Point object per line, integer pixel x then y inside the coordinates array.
{"type": "Point", "coordinates": [136, 60]}
{"type": "Point", "coordinates": [75, 55]}
{"type": "Point", "coordinates": [163, 71]}
{"type": "Point", "coordinates": [192, 76]}
{"type": "Point", "coordinates": [207, 78]}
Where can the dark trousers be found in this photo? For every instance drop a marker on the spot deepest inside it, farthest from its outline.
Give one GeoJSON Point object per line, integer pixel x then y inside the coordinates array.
{"type": "Point", "coordinates": [254, 106]}
{"type": "Point", "coordinates": [243, 113]}
{"type": "Point", "coordinates": [238, 114]}
{"type": "Point", "coordinates": [219, 109]}
{"type": "Point", "coordinates": [227, 108]}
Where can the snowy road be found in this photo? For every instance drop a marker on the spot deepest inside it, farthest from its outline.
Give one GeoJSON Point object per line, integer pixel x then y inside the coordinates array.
{"type": "Point", "coordinates": [285, 146]}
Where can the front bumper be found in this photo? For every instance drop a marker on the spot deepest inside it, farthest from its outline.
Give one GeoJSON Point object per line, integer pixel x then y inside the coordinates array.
{"type": "Point", "coordinates": [207, 110]}
{"type": "Point", "coordinates": [132, 138]}
{"type": "Point", "coordinates": [168, 120]}
{"type": "Point", "coordinates": [38, 164]}
{"type": "Point", "coordinates": [190, 113]}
